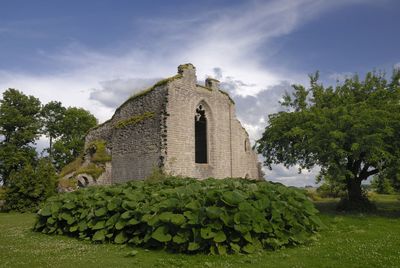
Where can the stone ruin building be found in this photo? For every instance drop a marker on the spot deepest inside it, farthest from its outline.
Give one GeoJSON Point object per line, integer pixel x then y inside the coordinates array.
{"type": "Point", "coordinates": [178, 126]}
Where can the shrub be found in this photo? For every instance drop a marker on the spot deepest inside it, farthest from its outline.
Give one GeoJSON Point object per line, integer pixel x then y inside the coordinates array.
{"type": "Point", "coordinates": [28, 187]}
{"type": "Point", "coordinates": [331, 189]}
{"type": "Point", "coordinates": [185, 215]}
{"type": "Point", "coordinates": [382, 185]}
{"type": "Point", "coordinates": [2, 192]}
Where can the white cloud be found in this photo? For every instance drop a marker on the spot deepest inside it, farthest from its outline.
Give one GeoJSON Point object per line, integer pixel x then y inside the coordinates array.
{"type": "Point", "coordinates": [227, 40]}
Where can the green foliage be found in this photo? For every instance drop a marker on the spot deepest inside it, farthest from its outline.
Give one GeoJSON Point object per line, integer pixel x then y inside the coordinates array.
{"type": "Point", "coordinates": [71, 167]}
{"type": "Point", "coordinates": [19, 127]}
{"type": "Point", "coordinates": [52, 117]}
{"type": "Point", "coordinates": [331, 189]}
{"type": "Point", "coordinates": [92, 169]}
{"type": "Point", "coordinates": [382, 185]}
{"type": "Point", "coordinates": [351, 131]}
{"type": "Point", "coordinates": [30, 186]}
{"type": "Point", "coordinates": [2, 193]}
{"type": "Point", "coordinates": [157, 174]}
{"type": "Point", "coordinates": [98, 151]}
{"type": "Point", "coordinates": [134, 120]}
{"type": "Point", "coordinates": [76, 123]}
{"type": "Point", "coordinates": [185, 215]}
{"type": "Point", "coordinates": [70, 183]}
{"type": "Point", "coordinates": [372, 237]}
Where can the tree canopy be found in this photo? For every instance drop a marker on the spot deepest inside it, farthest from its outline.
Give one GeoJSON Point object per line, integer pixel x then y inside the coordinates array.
{"type": "Point", "coordinates": [19, 128]}
{"type": "Point", "coordinates": [73, 128]}
{"type": "Point", "coordinates": [352, 131]}
{"type": "Point", "coordinates": [27, 178]}
{"type": "Point", "coordinates": [52, 115]}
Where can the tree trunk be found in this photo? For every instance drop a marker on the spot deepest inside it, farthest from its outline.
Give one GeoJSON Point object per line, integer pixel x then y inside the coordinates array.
{"type": "Point", "coordinates": [354, 190]}
{"type": "Point", "coordinates": [51, 150]}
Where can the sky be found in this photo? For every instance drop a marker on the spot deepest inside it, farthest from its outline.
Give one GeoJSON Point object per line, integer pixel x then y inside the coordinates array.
{"type": "Point", "coordinates": [95, 54]}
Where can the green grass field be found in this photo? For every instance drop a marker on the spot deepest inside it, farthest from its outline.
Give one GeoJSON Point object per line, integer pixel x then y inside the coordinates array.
{"type": "Point", "coordinates": [350, 240]}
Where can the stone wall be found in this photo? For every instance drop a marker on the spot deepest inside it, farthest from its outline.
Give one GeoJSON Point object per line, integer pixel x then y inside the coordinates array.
{"type": "Point", "coordinates": [225, 135]}
{"type": "Point", "coordinates": [136, 148]}
{"type": "Point", "coordinates": [156, 130]}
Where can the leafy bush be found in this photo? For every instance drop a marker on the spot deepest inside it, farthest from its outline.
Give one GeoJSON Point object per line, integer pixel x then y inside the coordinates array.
{"type": "Point", "coordinates": [382, 185]}
{"type": "Point", "coordinates": [30, 186]}
{"type": "Point", "coordinates": [185, 215]}
{"type": "Point", "coordinates": [331, 189]}
{"type": "Point", "coordinates": [2, 192]}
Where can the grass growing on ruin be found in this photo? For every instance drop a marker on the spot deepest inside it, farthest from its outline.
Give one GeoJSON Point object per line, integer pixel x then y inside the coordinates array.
{"type": "Point", "coordinates": [71, 167]}
{"type": "Point", "coordinates": [351, 240]}
{"type": "Point", "coordinates": [99, 149]}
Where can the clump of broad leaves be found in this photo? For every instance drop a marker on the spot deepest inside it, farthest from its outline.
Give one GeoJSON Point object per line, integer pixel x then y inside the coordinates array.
{"type": "Point", "coordinates": [185, 215]}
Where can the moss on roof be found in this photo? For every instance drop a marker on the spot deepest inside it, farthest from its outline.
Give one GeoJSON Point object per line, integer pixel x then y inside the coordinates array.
{"type": "Point", "coordinates": [146, 91]}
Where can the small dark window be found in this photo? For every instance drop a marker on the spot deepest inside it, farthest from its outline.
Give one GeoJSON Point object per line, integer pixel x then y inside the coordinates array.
{"type": "Point", "coordinates": [200, 126]}
{"type": "Point", "coordinates": [246, 145]}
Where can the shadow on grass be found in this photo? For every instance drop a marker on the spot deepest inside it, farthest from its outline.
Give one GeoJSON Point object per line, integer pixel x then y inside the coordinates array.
{"type": "Point", "coordinates": [386, 207]}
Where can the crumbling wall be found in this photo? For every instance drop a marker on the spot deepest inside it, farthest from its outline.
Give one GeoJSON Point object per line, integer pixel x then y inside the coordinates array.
{"type": "Point", "coordinates": [136, 136]}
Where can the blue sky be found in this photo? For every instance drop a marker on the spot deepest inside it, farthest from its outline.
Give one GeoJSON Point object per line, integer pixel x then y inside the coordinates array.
{"type": "Point", "coordinates": [94, 54]}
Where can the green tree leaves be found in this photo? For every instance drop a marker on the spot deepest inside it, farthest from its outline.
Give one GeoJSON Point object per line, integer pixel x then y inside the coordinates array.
{"type": "Point", "coordinates": [30, 186]}
{"type": "Point", "coordinates": [22, 121]}
{"type": "Point", "coordinates": [351, 131]}
{"type": "Point", "coordinates": [19, 127]}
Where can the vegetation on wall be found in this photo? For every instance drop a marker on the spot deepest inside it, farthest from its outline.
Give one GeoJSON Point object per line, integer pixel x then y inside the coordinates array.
{"type": "Point", "coordinates": [98, 151]}
{"type": "Point", "coordinates": [185, 215]}
{"type": "Point", "coordinates": [134, 120]}
{"type": "Point", "coordinates": [98, 156]}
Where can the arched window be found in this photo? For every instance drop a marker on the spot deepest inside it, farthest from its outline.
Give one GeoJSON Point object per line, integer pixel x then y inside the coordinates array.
{"type": "Point", "coordinates": [200, 126]}
{"type": "Point", "coordinates": [246, 145]}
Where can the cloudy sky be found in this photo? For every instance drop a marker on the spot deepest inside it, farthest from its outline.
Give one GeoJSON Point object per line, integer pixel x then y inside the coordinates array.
{"type": "Point", "coordinates": [94, 54]}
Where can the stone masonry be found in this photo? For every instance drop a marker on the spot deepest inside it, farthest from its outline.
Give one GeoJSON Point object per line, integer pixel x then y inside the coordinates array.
{"type": "Point", "coordinates": [157, 129]}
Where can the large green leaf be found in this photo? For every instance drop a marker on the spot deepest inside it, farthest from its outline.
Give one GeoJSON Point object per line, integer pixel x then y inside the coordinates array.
{"type": "Point", "coordinates": [220, 237]}
{"type": "Point", "coordinates": [214, 212]}
{"type": "Point", "coordinates": [179, 238]}
{"type": "Point", "coordinates": [207, 233]}
{"type": "Point", "coordinates": [45, 211]}
{"type": "Point", "coordinates": [120, 224]}
{"type": "Point", "coordinates": [249, 248]}
{"type": "Point", "coordinates": [161, 234]}
{"type": "Point", "coordinates": [232, 198]}
{"type": "Point", "coordinates": [193, 246]}
{"type": "Point", "coordinates": [99, 225]}
{"type": "Point", "coordinates": [120, 238]}
{"type": "Point", "coordinates": [99, 235]}
{"type": "Point", "coordinates": [100, 212]}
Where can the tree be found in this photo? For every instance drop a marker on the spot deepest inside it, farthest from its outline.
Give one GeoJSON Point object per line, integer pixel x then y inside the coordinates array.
{"type": "Point", "coordinates": [19, 128]}
{"type": "Point", "coordinates": [30, 186]}
{"type": "Point", "coordinates": [351, 131]}
{"type": "Point", "coordinates": [52, 115]}
{"type": "Point", "coordinates": [382, 185]}
{"type": "Point", "coordinates": [75, 124]}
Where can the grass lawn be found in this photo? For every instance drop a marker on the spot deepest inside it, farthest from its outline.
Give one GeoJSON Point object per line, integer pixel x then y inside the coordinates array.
{"type": "Point", "coordinates": [351, 240]}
